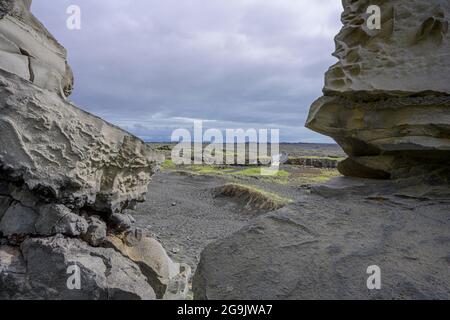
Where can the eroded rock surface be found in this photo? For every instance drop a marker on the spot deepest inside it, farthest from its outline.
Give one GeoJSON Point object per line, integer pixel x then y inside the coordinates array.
{"type": "Point", "coordinates": [66, 178]}
{"type": "Point", "coordinates": [61, 152]}
{"type": "Point", "coordinates": [321, 247]}
{"type": "Point", "coordinates": [408, 55]}
{"type": "Point", "coordinates": [387, 100]}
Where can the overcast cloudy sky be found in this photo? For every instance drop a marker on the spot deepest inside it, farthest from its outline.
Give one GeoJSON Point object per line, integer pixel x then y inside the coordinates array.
{"type": "Point", "coordinates": [150, 66]}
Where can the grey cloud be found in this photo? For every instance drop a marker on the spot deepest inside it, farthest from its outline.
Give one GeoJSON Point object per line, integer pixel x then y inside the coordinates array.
{"type": "Point", "coordinates": [142, 64]}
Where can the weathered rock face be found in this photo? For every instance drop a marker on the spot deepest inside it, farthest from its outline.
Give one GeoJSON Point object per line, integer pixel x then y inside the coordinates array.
{"type": "Point", "coordinates": [321, 247]}
{"type": "Point", "coordinates": [64, 153]}
{"type": "Point", "coordinates": [41, 268]}
{"type": "Point", "coordinates": [28, 50]}
{"type": "Point", "coordinates": [66, 178]}
{"type": "Point", "coordinates": [387, 100]}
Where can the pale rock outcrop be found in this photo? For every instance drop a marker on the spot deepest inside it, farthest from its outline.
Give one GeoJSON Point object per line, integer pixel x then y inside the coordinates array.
{"type": "Point", "coordinates": [168, 279]}
{"type": "Point", "coordinates": [18, 221]}
{"type": "Point", "coordinates": [389, 94]}
{"type": "Point", "coordinates": [66, 179]}
{"type": "Point", "coordinates": [58, 219]}
{"type": "Point", "coordinates": [30, 51]}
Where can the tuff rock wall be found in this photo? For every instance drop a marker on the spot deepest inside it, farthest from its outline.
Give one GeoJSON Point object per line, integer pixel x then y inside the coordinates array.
{"type": "Point", "coordinates": [387, 100]}
{"type": "Point", "coordinates": [66, 179]}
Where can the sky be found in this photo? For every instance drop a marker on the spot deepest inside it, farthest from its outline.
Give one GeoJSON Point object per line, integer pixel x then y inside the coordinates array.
{"type": "Point", "coordinates": [152, 66]}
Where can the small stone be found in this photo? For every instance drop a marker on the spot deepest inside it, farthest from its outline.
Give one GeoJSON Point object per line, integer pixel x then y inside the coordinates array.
{"type": "Point", "coordinates": [120, 222]}
{"type": "Point", "coordinates": [96, 231]}
{"type": "Point", "coordinates": [133, 221]}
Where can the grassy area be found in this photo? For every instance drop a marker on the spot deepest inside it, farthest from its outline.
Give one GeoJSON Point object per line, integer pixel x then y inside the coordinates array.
{"type": "Point", "coordinates": [168, 165]}
{"type": "Point", "coordinates": [255, 172]}
{"type": "Point", "coordinates": [322, 176]}
{"type": "Point", "coordinates": [284, 177]}
{"type": "Point", "coordinates": [255, 198]}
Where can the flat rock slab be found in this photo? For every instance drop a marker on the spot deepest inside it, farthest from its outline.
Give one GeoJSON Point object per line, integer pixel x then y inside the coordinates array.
{"type": "Point", "coordinates": [321, 248]}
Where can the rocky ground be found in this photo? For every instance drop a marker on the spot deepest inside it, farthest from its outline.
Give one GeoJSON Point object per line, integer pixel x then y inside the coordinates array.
{"type": "Point", "coordinates": [69, 181]}
{"type": "Point", "coordinates": [182, 212]}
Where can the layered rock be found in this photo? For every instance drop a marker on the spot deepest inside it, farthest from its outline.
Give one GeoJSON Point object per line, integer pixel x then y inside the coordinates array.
{"type": "Point", "coordinates": [30, 51]}
{"type": "Point", "coordinates": [387, 100]}
{"type": "Point", "coordinates": [66, 179]}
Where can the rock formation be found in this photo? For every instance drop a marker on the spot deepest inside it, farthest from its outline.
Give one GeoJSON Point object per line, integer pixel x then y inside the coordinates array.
{"type": "Point", "coordinates": [322, 246]}
{"type": "Point", "coordinates": [67, 178]}
{"type": "Point", "coordinates": [387, 103]}
{"type": "Point", "coordinates": [387, 100]}
{"type": "Point", "coordinates": [28, 50]}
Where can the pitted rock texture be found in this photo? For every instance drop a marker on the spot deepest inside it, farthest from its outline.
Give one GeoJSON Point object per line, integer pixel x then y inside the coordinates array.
{"type": "Point", "coordinates": [387, 100]}
{"type": "Point", "coordinates": [66, 178]}
{"type": "Point", "coordinates": [408, 55]}
{"type": "Point", "coordinates": [63, 153]}
{"type": "Point", "coordinates": [28, 50]}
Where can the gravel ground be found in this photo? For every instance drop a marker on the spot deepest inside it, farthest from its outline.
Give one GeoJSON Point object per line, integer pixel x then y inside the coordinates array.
{"type": "Point", "coordinates": [182, 214]}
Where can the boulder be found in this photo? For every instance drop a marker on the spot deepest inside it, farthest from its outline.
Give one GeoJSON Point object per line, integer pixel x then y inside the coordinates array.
{"type": "Point", "coordinates": [66, 179]}
{"type": "Point", "coordinates": [58, 219]}
{"type": "Point", "coordinates": [322, 248]}
{"type": "Point", "coordinates": [18, 221]}
{"type": "Point", "coordinates": [63, 154]}
{"type": "Point", "coordinates": [407, 56]}
{"type": "Point", "coordinates": [169, 279]}
{"type": "Point", "coordinates": [96, 231]}
{"type": "Point", "coordinates": [389, 93]}
{"type": "Point", "coordinates": [104, 273]}
{"type": "Point", "coordinates": [120, 222]}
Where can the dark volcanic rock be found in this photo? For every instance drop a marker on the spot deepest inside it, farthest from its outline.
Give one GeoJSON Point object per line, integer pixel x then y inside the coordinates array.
{"type": "Point", "coordinates": [321, 248]}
